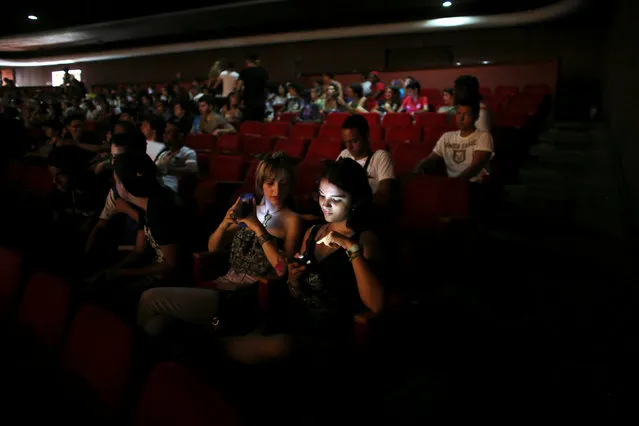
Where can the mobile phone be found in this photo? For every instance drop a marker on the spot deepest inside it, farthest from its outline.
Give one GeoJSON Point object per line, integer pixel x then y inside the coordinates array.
{"type": "Point", "coordinates": [304, 260]}
{"type": "Point", "coordinates": [244, 207]}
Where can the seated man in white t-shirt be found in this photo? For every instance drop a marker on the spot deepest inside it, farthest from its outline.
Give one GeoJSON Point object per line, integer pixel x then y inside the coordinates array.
{"type": "Point", "coordinates": [467, 151]}
{"type": "Point", "coordinates": [178, 163]}
{"type": "Point", "coordinates": [153, 128]}
{"type": "Point", "coordinates": [378, 164]}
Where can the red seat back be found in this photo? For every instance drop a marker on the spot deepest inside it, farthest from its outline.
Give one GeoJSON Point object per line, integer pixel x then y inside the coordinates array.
{"type": "Point", "coordinates": [287, 117]}
{"type": "Point", "coordinates": [412, 134]}
{"type": "Point", "coordinates": [276, 128]}
{"type": "Point", "coordinates": [427, 199]}
{"type": "Point", "coordinates": [373, 118]}
{"type": "Point", "coordinates": [10, 262]}
{"type": "Point", "coordinates": [174, 395]}
{"type": "Point", "coordinates": [304, 130]}
{"type": "Point", "coordinates": [432, 119]}
{"type": "Point", "coordinates": [200, 142]}
{"type": "Point", "coordinates": [37, 179]}
{"type": "Point", "coordinates": [486, 92]}
{"type": "Point", "coordinates": [501, 91]}
{"type": "Point", "coordinates": [323, 149]}
{"type": "Point", "coordinates": [307, 174]}
{"type": "Point", "coordinates": [226, 168]}
{"type": "Point", "coordinates": [229, 143]}
{"type": "Point", "coordinates": [251, 127]}
{"type": "Point", "coordinates": [337, 118]}
{"type": "Point", "coordinates": [376, 133]}
{"type": "Point", "coordinates": [292, 147]}
{"type": "Point", "coordinates": [434, 96]}
{"type": "Point", "coordinates": [397, 119]}
{"type": "Point", "coordinates": [253, 144]}
{"type": "Point", "coordinates": [328, 131]}
{"type": "Point", "coordinates": [407, 155]}
{"type": "Point", "coordinates": [98, 349]}
{"type": "Point", "coordinates": [44, 307]}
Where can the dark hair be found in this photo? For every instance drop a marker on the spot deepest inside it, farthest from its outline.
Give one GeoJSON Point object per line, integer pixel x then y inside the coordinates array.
{"type": "Point", "coordinates": [182, 126]}
{"type": "Point", "coordinates": [296, 87]}
{"type": "Point", "coordinates": [357, 89]}
{"type": "Point", "coordinates": [210, 100]}
{"type": "Point", "coordinates": [414, 84]}
{"type": "Point", "coordinates": [253, 58]}
{"type": "Point", "coordinates": [70, 160]}
{"type": "Point", "coordinates": [351, 178]}
{"type": "Point", "coordinates": [137, 172]}
{"type": "Point", "coordinates": [131, 142]}
{"type": "Point", "coordinates": [359, 123]}
{"type": "Point", "coordinates": [157, 124]}
{"type": "Point", "coordinates": [54, 125]}
{"type": "Point", "coordinates": [467, 89]}
{"type": "Point", "coordinates": [230, 65]}
{"type": "Point", "coordinates": [329, 75]}
{"type": "Point", "coordinates": [472, 103]}
{"type": "Point", "coordinates": [72, 118]}
{"type": "Point", "coordinates": [449, 90]}
{"type": "Point", "coordinates": [127, 126]}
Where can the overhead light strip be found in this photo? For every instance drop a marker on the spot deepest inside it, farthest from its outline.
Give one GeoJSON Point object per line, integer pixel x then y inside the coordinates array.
{"type": "Point", "coordinates": [546, 13]}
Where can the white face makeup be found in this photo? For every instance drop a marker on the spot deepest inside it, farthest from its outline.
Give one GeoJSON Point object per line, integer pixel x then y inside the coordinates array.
{"type": "Point", "coordinates": [334, 202]}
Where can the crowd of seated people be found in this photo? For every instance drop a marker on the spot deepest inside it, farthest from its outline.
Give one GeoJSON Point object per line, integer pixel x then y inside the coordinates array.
{"type": "Point", "coordinates": [130, 190]}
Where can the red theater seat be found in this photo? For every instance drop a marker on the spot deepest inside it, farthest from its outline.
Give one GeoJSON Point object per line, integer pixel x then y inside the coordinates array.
{"type": "Point", "coordinates": [175, 395]}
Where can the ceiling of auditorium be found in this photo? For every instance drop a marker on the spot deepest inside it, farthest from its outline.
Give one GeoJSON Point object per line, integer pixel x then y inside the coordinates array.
{"type": "Point", "coordinates": [74, 26]}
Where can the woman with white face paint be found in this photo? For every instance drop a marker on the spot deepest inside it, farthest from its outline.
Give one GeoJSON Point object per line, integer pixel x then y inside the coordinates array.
{"type": "Point", "coordinates": [332, 278]}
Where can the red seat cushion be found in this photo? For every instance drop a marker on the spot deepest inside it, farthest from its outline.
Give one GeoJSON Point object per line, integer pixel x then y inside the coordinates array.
{"type": "Point", "coordinates": [45, 306]}
{"type": "Point", "coordinates": [98, 349]}
{"type": "Point", "coordinates": [10, 262]}
{"type": "Point", "coordinates": [174, 395]}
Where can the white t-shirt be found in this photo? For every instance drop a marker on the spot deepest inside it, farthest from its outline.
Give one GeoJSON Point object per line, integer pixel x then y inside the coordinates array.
{"type": "Point", "coordinates": [154, 148]}
{"type": "Point", "coordinates": [483, 123]}
{"type": "Point", "coordinates": [457, 151]}
{"type": "Point", "coordinates": [380, 167]}
{"type": "Point", "coordinates": [185, 157]}
{"type": "Point", "coordinates": [228, 81]}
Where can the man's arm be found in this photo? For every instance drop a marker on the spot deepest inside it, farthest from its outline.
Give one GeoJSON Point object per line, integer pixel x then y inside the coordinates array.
{"type": "Point", "coordinates": [428, 163]}
{"type": "Point", "coordinates": [163, 269]}
{"type": "Point", "coordinates": [479, 163]}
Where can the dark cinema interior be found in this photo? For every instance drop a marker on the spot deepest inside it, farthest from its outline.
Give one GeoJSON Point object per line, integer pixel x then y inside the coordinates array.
{"type": "Point", "coordinates": [275, 211]}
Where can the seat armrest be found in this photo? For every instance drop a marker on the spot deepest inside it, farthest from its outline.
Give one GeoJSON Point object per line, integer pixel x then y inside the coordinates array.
{"type": "Point", "coordinates": [264, 284]}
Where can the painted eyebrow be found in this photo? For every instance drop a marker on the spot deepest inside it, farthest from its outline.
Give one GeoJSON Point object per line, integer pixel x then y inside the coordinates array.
{"type": "Point", "coordinates": [334, 196]}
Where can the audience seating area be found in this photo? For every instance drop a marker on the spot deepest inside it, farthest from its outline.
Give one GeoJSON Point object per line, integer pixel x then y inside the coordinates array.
{"type": "Point", "coordinates": [93, 356]}
{"type": "Point", "coordinates": [98, 350]}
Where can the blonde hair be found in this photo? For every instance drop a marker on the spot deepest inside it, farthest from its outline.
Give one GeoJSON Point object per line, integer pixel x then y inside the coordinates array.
{"type": "Point", "coordinates": [272, 165]}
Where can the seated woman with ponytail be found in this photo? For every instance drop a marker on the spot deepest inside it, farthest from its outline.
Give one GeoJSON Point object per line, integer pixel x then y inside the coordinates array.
{"type": "Point", "coordinates": [260, 239]}
{"type": "Point", "coordinates": [335, 275]}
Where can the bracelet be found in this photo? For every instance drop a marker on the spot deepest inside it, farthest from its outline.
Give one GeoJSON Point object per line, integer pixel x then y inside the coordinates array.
{"type": "Point", "coordinates": [354, 249]}
{"type": "Point", "coordinates": [264, 238]}
{"type": "Point", "coordinates": [354, 256]}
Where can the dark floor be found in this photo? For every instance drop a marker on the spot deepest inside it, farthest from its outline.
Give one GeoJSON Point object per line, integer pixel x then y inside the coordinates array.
{"type": "Point", "coordinates": [528, 316]}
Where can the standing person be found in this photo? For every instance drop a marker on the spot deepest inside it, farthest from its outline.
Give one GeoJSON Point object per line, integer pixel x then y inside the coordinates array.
{"type": "Point", "coordinates": [252, 88]}
{"type": "Point", "coordinates": [228, 80]}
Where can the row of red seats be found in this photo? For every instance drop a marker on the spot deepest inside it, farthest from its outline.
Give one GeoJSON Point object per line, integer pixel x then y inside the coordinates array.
{"type": "Point", "coordinates": [421, 194]}
{"type": "Point", "coordinates": [255, 137]}
{"type": "Point", "coordinates": [98, 347]}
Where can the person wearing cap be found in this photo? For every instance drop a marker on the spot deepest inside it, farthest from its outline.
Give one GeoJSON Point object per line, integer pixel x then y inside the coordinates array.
{"type": "Point", "coordinates": [160, 228]}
